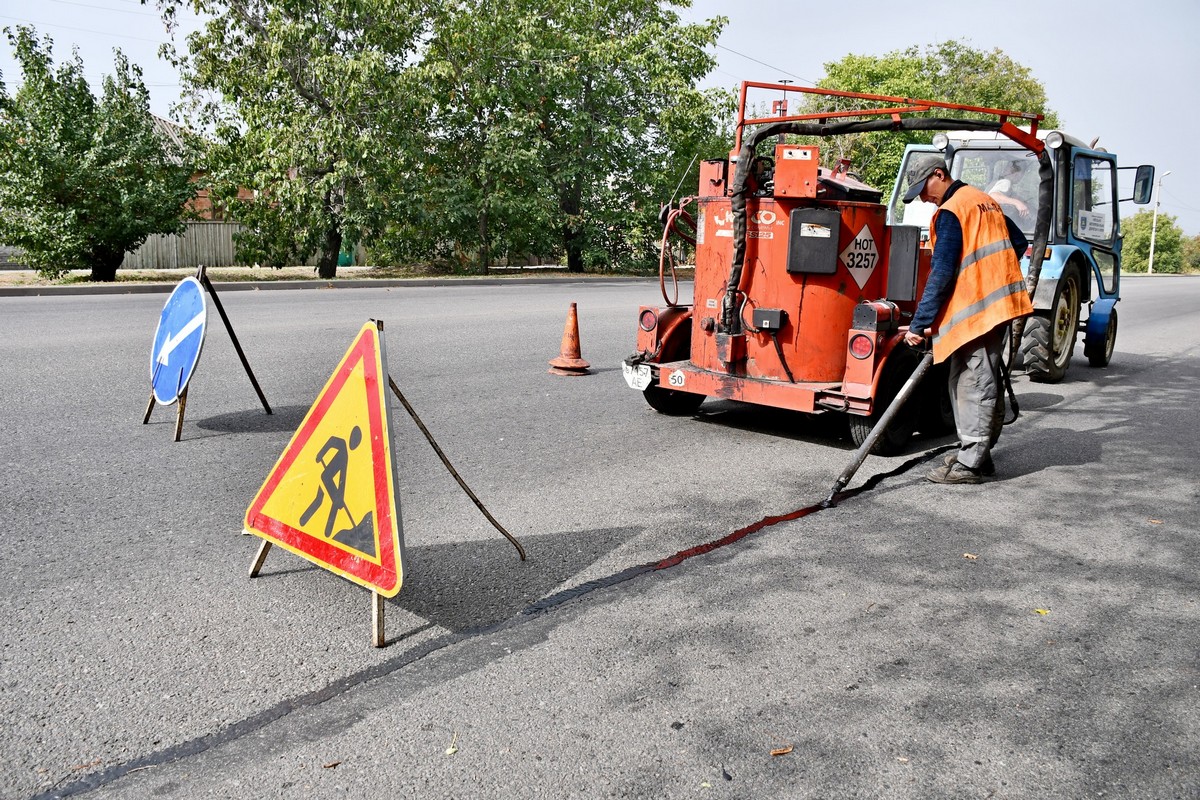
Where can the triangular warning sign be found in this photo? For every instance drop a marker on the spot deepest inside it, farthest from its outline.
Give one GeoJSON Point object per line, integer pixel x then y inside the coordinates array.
{"type": "Point", "coordinates": [331, 496]}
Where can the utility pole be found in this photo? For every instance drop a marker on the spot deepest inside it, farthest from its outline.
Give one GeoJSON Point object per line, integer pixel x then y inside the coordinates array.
{"type": "Point", "coordinates": [1154, 224]}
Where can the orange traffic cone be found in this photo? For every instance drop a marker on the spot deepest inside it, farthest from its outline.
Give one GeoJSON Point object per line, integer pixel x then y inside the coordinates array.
{"type": "Point", "coordinates": [568, 361]}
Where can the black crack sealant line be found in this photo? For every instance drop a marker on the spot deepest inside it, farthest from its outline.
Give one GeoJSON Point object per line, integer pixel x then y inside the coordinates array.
{"type": "Point", "coordinates": [266, 717]}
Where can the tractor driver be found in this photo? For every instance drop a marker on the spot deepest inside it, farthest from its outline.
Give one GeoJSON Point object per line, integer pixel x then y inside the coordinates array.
{"type": "Point", "coordinates": [1007, 174]}
{"type": "Point", "coordinates": [975, 289]}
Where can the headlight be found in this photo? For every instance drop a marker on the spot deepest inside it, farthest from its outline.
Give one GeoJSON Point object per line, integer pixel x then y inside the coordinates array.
{"type": "Point", "coordinates": [941, 141]}
{"type": "Point", "coordinates": [1054, 140]}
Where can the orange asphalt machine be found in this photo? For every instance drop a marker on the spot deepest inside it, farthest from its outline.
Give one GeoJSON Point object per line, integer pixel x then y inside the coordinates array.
{"type": "Point", "coordinates": [802, 289]}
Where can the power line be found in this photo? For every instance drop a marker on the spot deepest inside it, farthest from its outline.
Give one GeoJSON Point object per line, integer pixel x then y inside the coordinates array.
{"type": "Point", "coordinates": [765, 64]}
{"type": "Point", "coordinates": [106, 8]}
{"type": "Point", "coordinates": [81, 30]}
{"type": "Point", "coordinates": [1178, 202]}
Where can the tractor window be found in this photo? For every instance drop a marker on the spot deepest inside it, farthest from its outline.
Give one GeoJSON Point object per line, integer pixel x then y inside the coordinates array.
{"type": "Point", "coordinates": [1010, 176]}
{"type": "Point", "coordinates": [1093, 200]}
{"type": "Point", "coordinates": [1106, 263]}
{"type": "Point", "coordinates": [918, 212]}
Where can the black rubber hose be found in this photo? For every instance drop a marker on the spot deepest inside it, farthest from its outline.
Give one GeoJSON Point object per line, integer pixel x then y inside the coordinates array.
{"type": "Point", "coordinates": [730, 321]}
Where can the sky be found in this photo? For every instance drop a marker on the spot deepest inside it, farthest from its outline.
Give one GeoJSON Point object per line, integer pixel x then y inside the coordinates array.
{"type": "Point", "coordinates": [1121, 71]}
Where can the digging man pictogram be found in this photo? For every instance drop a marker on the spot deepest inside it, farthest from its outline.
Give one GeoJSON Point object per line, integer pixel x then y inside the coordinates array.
{"type": "Point", "coordinates": [333, 476]}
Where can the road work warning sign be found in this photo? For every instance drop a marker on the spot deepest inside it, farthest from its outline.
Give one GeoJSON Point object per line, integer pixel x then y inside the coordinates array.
{"type": "Point", "coordinates": [331, 496]}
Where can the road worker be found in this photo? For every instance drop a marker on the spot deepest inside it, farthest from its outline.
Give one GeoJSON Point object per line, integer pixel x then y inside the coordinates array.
{"type": "Point", "coordinates": [975, 289]}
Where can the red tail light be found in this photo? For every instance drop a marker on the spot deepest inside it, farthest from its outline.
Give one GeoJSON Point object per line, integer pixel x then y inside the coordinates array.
{"type": "Point", "coordinates": [861, 346]}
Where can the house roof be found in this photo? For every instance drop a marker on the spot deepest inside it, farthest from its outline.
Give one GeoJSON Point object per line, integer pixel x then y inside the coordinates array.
{"type": "Point", "coordinates": [172, 136]}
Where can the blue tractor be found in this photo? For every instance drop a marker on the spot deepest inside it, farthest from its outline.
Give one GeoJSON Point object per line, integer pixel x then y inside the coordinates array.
{"type": "Point", "coordinates": [1070, 202]}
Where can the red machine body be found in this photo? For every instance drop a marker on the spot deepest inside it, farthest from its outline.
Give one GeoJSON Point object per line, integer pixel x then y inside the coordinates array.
{"type": "Point", "coordinates": [824, 285]}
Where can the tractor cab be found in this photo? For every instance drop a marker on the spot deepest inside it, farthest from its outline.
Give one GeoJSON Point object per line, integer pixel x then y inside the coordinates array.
{"type": "Point", "coordinates": [1081, 259]}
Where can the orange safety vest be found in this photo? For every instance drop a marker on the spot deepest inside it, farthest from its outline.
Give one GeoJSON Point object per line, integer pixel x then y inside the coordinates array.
{"type": "Point", "coordinates": [989, 289]}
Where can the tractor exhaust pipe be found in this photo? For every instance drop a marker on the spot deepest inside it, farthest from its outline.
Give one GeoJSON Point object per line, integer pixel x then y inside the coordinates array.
{"type": "Point", "coordinates": [864, 449]}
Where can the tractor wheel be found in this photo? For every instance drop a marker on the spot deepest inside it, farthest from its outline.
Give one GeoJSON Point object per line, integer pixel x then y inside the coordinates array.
{"type": "Point", "coordinates": [1099, 355]}
{"type": "Point", "coordinates": [672, 402]}
{"type": "Point", "coordinates": [895, 438]}
{"type": "Point", "coordinates": [1049, 343]}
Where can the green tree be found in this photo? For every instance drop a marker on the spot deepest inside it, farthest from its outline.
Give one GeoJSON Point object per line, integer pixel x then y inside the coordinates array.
{"type": "Point", "coordinates": [310, 106]}
{"type": "Point", "coordinates": [1135, 249]}
{"type": "Point", "coordinates": [951, 72]}
{"type": "Point", "coordinates": [82, 179]}
{"type": "Point", "coordinates": [564, 125]}
{"type": "Point", "coordinates": [1190, 255]}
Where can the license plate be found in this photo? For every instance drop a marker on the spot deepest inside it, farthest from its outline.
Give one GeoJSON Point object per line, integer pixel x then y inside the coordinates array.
{"type": "Point", "coordinates": [637, 377]}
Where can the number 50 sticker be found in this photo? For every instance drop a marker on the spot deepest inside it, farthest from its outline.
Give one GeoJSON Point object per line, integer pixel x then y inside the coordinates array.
{"type": "Point", "coordinates": [676, 378]}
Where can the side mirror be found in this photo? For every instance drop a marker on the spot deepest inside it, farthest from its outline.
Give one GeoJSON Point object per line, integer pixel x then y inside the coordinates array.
{"type": "Point", "coordinates": [1143, 184]}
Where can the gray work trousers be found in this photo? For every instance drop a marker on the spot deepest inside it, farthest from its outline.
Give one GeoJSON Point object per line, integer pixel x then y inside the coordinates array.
{"type": "Point", "coordinates": [977, 395]}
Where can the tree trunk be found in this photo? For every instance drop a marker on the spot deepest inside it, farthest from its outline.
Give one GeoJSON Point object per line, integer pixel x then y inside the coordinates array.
{"type": "Point", "coordinates": [485, 256]}
{"type": "Point", "coordinates": [327, 265]}
{"type": "Point", "coordinates": [105, 261]}
{"type": "Point", "coordinates": [570, 200]}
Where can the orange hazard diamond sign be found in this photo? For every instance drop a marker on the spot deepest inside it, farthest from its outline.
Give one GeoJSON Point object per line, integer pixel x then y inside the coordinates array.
{"type": "Point", "coordinates": [331, 496]}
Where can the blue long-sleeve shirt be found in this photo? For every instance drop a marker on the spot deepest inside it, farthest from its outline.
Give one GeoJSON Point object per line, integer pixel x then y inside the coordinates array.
{"type": "Point", "coordinates": [946, 258]}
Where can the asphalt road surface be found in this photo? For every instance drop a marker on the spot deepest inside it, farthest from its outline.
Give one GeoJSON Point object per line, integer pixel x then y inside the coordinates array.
{"type": "Point", "coordinates": [1035, 636]}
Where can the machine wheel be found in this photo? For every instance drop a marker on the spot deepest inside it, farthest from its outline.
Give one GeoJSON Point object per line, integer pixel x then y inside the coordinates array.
{"type": "Point", "coordinates": [671, 402]}
{"type": "Point", "coordinates": [896, 437]}
{"type": "Point", "coordinates": [935, 413]}
{"type": "Point", "coordinates": [1049, 343]}
{"type": "Point", "coordinates": [1100, 356]}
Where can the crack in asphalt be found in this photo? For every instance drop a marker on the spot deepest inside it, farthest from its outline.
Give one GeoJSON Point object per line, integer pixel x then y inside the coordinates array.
{"type": "Point", "coordinates": [249, 725]}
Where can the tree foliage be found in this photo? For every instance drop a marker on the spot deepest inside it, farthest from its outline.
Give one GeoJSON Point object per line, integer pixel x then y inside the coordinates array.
{"type": "Point", "coordinates": [310, 109]}
{"type": "Point", "coordinates": [1190, 254]}
{"type": "Point", "coordinates": [82, 179]}
{"type": "Point", "coordinates": [557, 126]}
{"type": "Point", "coordinates": [460, 130]}
{"type": "Point", "coordinates": [1168, 243]}
{"type": "Point", "coordinates": [951, 72]}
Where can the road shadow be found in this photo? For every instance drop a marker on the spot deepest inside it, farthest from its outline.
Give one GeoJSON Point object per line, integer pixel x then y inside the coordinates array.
{"type": "Point", "coordinates": [255, 420]}
{"type": "Point", "coordinates": [461, 586]}
{"type": "Point", "coordinates": [829, 429]}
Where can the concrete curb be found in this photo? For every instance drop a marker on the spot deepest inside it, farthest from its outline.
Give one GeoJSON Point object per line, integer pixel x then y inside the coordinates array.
{"type": "Point", "coordinates": [336, 283]}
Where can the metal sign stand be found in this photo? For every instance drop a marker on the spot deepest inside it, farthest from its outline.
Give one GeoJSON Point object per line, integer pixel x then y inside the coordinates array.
{"type": "Point", "coordinates": [202, 276]}
{"type": "Point", "coordinates": [377, 596]}
{"type": "Point", "coordinates": [377, 637]}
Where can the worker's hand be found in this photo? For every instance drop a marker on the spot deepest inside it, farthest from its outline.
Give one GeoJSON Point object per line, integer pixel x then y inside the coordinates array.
{"type": "Point", "coordinates": [913, 339]}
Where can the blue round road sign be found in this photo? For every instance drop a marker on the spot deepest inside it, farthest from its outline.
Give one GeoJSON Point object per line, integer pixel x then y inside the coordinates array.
{"type": "Point", "coordinates": [177, 341]}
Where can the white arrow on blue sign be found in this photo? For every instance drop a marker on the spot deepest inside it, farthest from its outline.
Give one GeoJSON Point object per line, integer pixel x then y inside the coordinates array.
{"type": "Point", "coordinates": [177, 341]}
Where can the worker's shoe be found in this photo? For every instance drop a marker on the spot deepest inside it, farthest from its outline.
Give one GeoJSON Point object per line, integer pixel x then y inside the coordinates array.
{"type": "Point", "coordinates": [987, 469]}
{"type": "Point", "coordinates": [954, 473]}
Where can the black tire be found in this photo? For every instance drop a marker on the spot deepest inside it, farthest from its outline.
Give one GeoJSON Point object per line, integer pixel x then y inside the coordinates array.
{"type": "Point", "coordinates": [1049, 342]}
{"type": "Point", "coordinates": [899, 366]}
{"type": "Point", "coordinates": [671, 402]}
{"type": "Point", "coordinates": [1100, 355]}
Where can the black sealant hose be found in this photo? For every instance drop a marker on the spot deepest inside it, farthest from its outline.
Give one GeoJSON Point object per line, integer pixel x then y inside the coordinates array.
{"type": "Point", "coordinates": [860, 455]}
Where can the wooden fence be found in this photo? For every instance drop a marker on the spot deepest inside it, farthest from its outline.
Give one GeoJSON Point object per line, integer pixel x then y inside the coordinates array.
{"type": "Point", "coordinates": [202, 242]}
{"type": "Point", "coordinates": [209, 243]}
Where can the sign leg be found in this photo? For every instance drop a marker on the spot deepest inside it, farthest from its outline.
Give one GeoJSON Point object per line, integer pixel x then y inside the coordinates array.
{"type": "Point", "coordinates": [453, 472]}
{"type": "Point", "coordinates": [237, 346]}
{"type": "Point", "coordinates": [179, 418]}
{"type": "Point", "coordinates": [260, 558]}
{"type": "Point", "coordinates": [149, 408]}
{"type": "Point", "coordinates": [377, 639]}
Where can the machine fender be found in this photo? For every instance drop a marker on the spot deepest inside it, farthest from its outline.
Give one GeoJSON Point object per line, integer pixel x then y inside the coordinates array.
{"type": "Point", "coordinates": [1097, 323]}
{"type": "Point", "coordinates": [675, 334]}
{"type": "Point", "coordinates": [1052, 270]}
{"type": "Point", "coordinates": [891, 348]}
